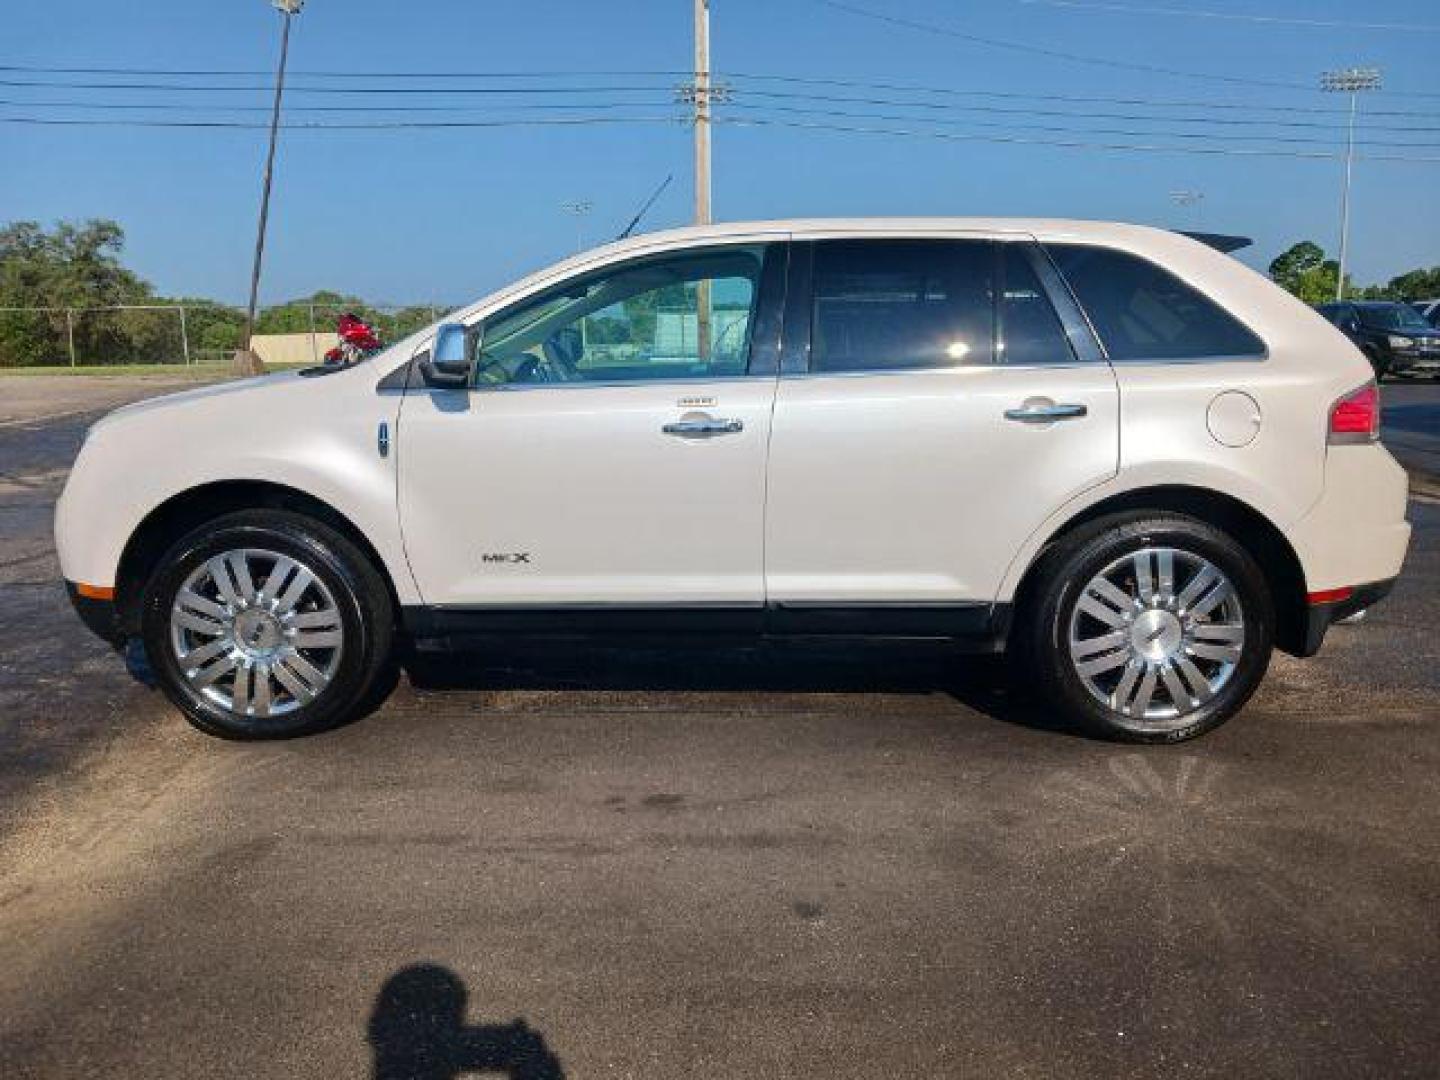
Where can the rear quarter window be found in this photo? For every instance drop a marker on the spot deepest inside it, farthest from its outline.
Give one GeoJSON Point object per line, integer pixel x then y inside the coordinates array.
{"type": "Point", "coordinates": [1142, 312]}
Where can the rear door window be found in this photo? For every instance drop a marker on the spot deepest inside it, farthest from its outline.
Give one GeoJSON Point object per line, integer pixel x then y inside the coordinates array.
{"type": "Point", "coordinates": [1143, 312]}
{"type": "Point", "coordinates": [887, 305]}
{"type": "Point", "coordinates": [1030, 331]}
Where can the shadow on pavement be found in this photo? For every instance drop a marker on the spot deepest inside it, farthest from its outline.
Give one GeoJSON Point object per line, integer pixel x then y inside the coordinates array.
{"type": "Point", "coordinates": [418, 1032]}
{"type": "Point", "coordinates": [981, 683]}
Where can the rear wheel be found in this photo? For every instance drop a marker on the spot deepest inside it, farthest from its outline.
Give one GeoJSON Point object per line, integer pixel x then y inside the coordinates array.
{"type": "Point", "coordinates": [267, 624]}
{"type": "Point", "coordinates": [1149, 627]}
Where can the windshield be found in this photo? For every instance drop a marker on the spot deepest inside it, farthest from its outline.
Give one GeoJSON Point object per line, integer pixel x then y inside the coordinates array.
{"type": "Point", "coordinates": [1393, 317]}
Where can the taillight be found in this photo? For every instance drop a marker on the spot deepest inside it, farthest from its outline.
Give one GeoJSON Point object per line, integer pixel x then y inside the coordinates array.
{"type": "Point", "coordinates": [1355, 418]}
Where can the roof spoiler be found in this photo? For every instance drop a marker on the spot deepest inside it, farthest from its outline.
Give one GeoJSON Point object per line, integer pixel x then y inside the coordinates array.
{"type": "Point", "coordinates": [1219, 241]}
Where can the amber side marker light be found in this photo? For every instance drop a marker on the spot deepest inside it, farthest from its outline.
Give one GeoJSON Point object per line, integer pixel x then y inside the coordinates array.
{"type": "Point", "coordinates": [95, 592]}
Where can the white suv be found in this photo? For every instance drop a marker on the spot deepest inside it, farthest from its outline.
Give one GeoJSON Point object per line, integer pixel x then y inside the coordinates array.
{"type": "Point", "coordinates": [1125, 456]}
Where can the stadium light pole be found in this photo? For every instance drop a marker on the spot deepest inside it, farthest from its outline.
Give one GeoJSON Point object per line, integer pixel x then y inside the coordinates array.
{"type": "Point", "coordinates": [1188, 200]}
{"type": "Point", "coordinates": [1352, 81]}
{"type": "Point", "coordinates": [578, 207]}
{"type": "Point", "coordinates": [246, 359]}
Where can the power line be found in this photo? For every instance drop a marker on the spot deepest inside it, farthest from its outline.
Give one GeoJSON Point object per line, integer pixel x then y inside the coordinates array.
{"type": "Point", "coordinates": [1235, 16]}
{"type": "Point", "coordinates": [850, 83]}
{"type": "Point", "coordinates": [743, 94]}
{"type": "Point", "coordinates": [1077, 98]}
{"type": "Point", "coordinates": [1076, 144]}
{"type": "Point", "coordinates": [1010, 125]}
{"type": "Point", "coordinates": [399, 125]}
{"type": "Point", "coordinates": [379, 125]}
{"type": "Point", "coordinates": [348, 74]}
{"type": "Point", "coordinates": [151, 106]}
{"type": "Point", "coordinates": [1054, 54]}
{"type": "Point", "coordinates": [1059, 54]}
{"type": "Point", "coordinates": [496, 90]}
{"type": "Point", "coordinates": [1008, 110]}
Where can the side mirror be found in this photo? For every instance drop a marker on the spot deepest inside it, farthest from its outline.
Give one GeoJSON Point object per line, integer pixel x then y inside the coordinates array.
{"type": "Point", "coordinates": [449, 366]}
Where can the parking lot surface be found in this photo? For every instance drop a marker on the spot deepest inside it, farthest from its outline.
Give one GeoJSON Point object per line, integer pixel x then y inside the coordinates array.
{"type": "Point", "coordinates": [741, 863]}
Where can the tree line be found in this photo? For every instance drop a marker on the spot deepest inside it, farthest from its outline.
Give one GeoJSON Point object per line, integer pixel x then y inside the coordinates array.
{"type": "Point", "coordinates": [74, 271]}
{"type": "Point", "coordinates": [1305, 270]}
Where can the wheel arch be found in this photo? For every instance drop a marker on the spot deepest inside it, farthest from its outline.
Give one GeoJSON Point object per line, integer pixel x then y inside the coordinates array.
{"type": "Point", "coordinates": [1247, 526]}
{"type": "Point", "coordinates": [193, 507]}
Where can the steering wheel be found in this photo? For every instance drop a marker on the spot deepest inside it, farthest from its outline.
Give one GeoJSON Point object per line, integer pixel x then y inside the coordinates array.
{"type": "Point", "coordinates": [562, 354]}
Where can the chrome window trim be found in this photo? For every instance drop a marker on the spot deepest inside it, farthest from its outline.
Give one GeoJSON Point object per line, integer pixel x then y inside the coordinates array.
{"type": "Point", "coordinates": [952, 370]}
{"type": "Point", "coordinates": [610, 384]}
{"type": "Point", "coordinates": [1169, 361]}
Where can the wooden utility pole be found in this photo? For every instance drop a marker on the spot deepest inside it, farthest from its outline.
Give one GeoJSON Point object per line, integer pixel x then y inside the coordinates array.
{"type": "Point", "coordinates": [702, 112]}
{"type": "Point", "coordinates": [702, 162]}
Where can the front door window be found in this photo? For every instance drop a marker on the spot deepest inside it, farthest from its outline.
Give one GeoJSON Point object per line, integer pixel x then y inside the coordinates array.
{"type": "Point", "coordinates": [673, 317]}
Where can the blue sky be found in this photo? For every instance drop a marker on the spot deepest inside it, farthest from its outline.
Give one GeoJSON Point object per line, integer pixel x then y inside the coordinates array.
{"type": "Point", "coordinates": [409, 215]}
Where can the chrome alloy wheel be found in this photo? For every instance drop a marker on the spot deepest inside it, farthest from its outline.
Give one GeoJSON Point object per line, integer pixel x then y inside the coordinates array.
{"type": "Point", "coordinates": [256, 632]}
{"type": "Point", "coordinates": [1157, 634]}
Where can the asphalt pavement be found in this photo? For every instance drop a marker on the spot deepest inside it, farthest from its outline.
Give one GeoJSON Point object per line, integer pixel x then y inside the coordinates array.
{"type": "Point", "coordinates": [1412, 425]}
{"type": "Point", "coordinates": [742, 863]}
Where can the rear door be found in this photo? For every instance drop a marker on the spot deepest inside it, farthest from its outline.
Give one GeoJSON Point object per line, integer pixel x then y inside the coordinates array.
{"type": "Point", "coordinates": [933, 410]}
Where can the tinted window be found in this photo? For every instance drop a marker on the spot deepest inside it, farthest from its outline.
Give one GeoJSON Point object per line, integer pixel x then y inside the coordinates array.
{"type": "Point", "coordinates": [1338, 314]}
{"type": "Point", "coordinates": [892, 304]}
{"type": "Point", "coordinates": [1143, 312]}
{"type": "Point", "coordinates": [1393, 317]}
{"type": "Point", "coordinates": [1030, 331]}
{"type": "Point", "coordinates": [678, 316]}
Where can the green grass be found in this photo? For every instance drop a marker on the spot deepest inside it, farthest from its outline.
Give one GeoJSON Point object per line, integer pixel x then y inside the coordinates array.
{"type": "Point", "coordinates": [172, 371]}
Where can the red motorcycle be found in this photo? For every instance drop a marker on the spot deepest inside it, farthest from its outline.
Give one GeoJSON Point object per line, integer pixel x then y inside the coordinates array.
{"type": "Point", "coordinates": [357, 341]}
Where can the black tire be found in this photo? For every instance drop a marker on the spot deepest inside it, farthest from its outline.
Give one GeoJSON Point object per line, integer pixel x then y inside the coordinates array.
{"type": "Point", "coordinates": [361, 598]}
{"type": "Point", "coordinates": [1042, 633]}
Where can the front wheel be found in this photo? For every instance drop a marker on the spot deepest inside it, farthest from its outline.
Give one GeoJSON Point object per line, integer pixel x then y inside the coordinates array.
{"type": "Point", "coordinates": [267, 624]}
{"type": "Point", "coordinates": [1149, 627]}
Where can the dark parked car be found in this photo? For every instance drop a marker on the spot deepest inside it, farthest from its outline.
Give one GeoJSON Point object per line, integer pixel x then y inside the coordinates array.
{"type": "Point", "coordinates": [1395, 337]}
{"type": "Point", "coordinates": [1430, 309]}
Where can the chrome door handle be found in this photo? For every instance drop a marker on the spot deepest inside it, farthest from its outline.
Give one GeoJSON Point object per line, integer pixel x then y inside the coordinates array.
{"type": "Point", "coordinates": [1038, 413]}
{"type": "Point", "coordinates": [697, 427]}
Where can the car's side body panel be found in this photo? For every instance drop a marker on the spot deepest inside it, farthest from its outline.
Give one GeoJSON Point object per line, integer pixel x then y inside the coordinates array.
{"type": "Point", "coordinates": [318, 436]}
{"type": "Point", "coordinates": [915, 487]}
{"type": "Point", "coordinates": [558, 494]}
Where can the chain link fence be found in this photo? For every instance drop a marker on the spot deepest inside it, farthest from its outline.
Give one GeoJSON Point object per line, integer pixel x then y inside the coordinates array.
{"type": "Point", "coordinates": [121, 334]}
{"type": "Point", "coordinates": [179, 334]}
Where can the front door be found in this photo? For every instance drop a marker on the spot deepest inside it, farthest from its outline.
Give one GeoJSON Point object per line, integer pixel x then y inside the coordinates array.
{"type": "Point", "coordinates": [940, 414]}
{"type": "Point", "coordinates": [611, 452]}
